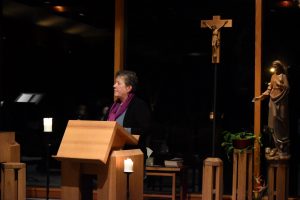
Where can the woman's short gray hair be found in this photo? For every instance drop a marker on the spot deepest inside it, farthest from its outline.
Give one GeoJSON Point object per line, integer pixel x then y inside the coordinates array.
{"type": "Point", "coordinates": [130, 78]}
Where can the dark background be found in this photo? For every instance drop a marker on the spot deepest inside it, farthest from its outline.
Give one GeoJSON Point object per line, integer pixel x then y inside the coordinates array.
{"type": "Point", "coordinates": [164, 44]}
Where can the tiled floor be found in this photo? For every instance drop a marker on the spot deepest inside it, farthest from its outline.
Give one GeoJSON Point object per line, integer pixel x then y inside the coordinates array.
{"type": "Point", "coordinates": [36, 176]}
{"type": "Point", "coordinates": [36, 173]}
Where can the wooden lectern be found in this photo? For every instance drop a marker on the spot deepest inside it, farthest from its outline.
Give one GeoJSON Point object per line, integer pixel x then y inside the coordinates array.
{"type": "Point", "coordinates": [95, 147]}
{"type": "Point", "coordinates": [9, 148]}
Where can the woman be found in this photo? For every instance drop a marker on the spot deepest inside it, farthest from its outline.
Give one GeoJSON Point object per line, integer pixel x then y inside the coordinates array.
{"type": "Point", "coordinates": [278, 121]}
{"type": "Point", "coordinates": [128, 110]}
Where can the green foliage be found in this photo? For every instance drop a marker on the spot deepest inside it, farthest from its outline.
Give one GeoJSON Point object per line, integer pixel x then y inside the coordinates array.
{"type": "Point", "coordinates": [229, 137]}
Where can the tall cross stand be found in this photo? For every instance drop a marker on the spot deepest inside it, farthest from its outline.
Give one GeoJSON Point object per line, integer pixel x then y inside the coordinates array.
{"type": "Point", "coordinates": [215, 25]}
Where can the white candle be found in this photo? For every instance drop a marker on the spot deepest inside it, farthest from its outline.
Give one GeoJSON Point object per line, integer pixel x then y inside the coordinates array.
{"type": "Point", "coordinates": [47, 124]}
{"type": "Point", "coordinates": [128, 165]}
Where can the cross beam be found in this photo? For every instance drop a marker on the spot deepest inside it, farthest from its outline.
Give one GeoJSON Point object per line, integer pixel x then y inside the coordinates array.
{"type": "Point", "coordinates": [215, 25]}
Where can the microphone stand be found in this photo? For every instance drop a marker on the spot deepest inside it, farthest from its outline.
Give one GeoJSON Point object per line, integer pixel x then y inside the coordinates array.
{"type": "Point", "coordinates": [47, 130]}
{"type": "Point", "coordinates": [47, 164]}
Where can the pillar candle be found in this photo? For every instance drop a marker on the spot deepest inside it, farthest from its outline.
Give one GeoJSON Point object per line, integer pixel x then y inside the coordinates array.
{"type": "Point", "coordinates": [128, 165]}
{"type": "Point", "coordinates": [47, 124]}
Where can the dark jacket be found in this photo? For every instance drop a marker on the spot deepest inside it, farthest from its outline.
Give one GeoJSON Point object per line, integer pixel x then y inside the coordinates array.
{"type": "Point", "coordinates": [138, 118]}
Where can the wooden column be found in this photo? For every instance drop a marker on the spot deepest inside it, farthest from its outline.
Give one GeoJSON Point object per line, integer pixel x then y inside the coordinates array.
{"type": "Point", "coordinates": [13, 181]}
{"type": "Point", "coordinates": [115, 184]}
{"type": "Point", "coordinates": [278, 182]}
{"type": "Point", "coordinates": [212, 185]}
{"type": "Point", "coordinates": [257, 84]}
{"type": "Point", "coordinates": [242, 175]}
{"type": "Point", "coordinates": [119, 36]}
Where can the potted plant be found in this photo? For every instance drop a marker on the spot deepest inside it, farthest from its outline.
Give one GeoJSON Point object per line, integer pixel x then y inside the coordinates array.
{"type": "Point", "coordinates": [237, 140]}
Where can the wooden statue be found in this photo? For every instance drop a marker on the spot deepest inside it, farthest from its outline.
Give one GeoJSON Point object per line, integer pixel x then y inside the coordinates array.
{"type": "Point", "coordinates": [278, 121]}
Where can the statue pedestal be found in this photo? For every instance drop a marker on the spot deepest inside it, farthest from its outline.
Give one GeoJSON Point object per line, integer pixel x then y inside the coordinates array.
{"type": "Point", "coordinates": [242, 175]}
{"type": "Point", "coordinates": [212, 186]}
{"type": "Point", "coordinates": [278, 183]}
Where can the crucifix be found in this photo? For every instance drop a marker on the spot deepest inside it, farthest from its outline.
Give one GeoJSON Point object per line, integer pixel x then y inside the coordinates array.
{"type": "Point", "coordinates": [215, 25]}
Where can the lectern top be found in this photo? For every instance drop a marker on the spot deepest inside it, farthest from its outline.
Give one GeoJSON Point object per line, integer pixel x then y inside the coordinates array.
{"type": "Point", "coordinates": [92, 141]}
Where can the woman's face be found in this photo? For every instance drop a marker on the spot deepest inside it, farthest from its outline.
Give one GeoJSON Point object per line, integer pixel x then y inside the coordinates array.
{"type": "Point", "coordinates": [121, 91]}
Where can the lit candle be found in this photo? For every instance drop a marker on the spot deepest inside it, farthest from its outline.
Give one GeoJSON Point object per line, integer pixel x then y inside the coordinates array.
{"type": "Point", "coordinates": [128, 165]}
{"type": "Point", "coordinates": [47, 124]}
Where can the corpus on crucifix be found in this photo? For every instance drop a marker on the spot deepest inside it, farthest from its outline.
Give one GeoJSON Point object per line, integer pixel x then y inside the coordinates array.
{"type": "Point", "coordinates": [215, 25]}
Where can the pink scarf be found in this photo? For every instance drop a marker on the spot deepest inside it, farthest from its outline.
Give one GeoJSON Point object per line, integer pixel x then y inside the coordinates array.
{"type": "Point", "coordinates": [117, 108]}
